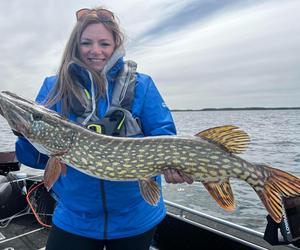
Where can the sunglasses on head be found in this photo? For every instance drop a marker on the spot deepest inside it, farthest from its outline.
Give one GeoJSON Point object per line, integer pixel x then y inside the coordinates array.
{"type": "Point", "coordinates": [103, 14]}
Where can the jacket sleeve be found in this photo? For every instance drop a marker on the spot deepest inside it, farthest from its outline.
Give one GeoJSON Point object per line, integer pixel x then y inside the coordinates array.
{"type": "Point", "coordinates": [25, 151]}
{"type": "Point", "coordinates": [155, 116]}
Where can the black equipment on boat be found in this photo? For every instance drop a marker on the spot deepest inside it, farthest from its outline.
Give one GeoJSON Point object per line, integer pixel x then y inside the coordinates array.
{"type": "Point", "coordinates": [289, 225]}
{"type": "Point", "coordinates": [8, 162]}
{"type": "Point", "coordinates": [12, 198]}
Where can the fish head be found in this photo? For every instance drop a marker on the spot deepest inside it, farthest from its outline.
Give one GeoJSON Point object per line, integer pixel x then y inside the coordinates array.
{"type": "Point", "coordinates": [17, 118]}
{"type": "Point", "coordinates": [45, 129]}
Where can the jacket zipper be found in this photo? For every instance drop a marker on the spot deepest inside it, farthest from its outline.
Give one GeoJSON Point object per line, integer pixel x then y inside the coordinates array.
{"type": "Point", "coordinates": [105, 217]}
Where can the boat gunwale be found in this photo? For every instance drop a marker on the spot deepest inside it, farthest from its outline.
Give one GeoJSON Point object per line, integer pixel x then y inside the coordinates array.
{"type": "Point", "coordinates": [247, 232]}
{"type": "Point", "coordinates": [212, 218]}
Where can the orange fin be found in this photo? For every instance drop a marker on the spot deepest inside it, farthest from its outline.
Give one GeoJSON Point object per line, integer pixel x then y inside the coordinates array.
{"type": "Point", "coordinates": [52, 172]}
{"type": "Point", "coordinates": [230, 137]}
{"type": "Point", "coordinates": [63, 169]}
{"type": "Point", "coordinates": [277, 183]}
{"type": "Point", "coordinates": [150, 190]}
{"type": "Point", "coordinates": [221, 191]}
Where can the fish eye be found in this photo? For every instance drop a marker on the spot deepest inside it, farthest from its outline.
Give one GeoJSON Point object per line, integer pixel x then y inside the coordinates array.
{"type": "Point", "coordinates": [37, 117]}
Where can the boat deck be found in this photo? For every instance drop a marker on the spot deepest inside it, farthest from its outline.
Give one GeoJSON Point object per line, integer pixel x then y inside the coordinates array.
{"type": "Point", "coordinates": [23, 233]}
{"type": "Point", "coordinates": [182, 229]}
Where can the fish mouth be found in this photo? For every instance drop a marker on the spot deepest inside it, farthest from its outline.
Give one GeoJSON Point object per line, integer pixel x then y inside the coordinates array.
{"type": "Point", "coordinates": [18, 123]}
{"type": "Point", "coordinates": [17, 118]}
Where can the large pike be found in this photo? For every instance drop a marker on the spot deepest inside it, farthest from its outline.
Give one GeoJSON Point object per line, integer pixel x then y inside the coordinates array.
{"type": "Point", "coordinates": [208, 157]}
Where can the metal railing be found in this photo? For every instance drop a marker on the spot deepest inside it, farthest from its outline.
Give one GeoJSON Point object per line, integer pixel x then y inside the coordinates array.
{"type": "Point", "coordinates": [184, 209]}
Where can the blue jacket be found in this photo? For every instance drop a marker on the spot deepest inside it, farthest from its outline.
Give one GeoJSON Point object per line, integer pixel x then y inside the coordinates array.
{"type": "Point", "coordinates": [103, 209]}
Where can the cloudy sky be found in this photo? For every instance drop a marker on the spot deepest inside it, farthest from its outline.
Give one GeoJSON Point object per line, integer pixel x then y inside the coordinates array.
{"type": "Point", "coordinates": [200, 53]}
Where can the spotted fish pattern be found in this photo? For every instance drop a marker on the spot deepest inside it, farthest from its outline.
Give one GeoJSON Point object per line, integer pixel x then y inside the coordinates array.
{"type": "Point", "coordinates": [209, 157]}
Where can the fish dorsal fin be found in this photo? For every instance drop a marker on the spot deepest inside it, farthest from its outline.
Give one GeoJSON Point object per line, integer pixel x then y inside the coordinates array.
{"type": "Point", "coordinates": [221, 191]}
{"type": "Point", "coordinates": [230, 137]}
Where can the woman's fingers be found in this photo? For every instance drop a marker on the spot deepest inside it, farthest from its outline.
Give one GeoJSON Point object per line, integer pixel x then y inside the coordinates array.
{"type": "Point", "coordinates": [175, 176]}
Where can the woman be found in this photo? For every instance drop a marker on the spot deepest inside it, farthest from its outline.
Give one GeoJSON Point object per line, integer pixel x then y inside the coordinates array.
{"type": "Point", "coordinates": [93, 213]}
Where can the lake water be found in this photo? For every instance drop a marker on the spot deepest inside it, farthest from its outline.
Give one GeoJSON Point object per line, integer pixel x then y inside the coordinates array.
{"type": "Point", "coordinates": [275, 140]}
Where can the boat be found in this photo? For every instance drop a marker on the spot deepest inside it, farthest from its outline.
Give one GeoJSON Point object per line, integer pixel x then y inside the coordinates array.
{"type": "Point", "coordinates": [183, 228]}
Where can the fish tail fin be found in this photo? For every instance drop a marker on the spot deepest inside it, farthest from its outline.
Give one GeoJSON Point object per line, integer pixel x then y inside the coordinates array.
{"type": "Point", "coordinates": [276, 184]}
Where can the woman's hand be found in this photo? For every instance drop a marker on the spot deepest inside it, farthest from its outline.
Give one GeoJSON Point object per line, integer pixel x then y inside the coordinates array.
{"type": "Point", "coordinates": [175, 176]}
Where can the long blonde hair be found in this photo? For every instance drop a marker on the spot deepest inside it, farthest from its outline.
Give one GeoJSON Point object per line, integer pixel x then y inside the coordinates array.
{"type": "Point", "coordinates": [65, 87]}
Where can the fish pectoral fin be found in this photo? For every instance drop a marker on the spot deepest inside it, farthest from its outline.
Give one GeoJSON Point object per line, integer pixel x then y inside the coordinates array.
{"type": "Point", "coordinates": [150, 190]}
{"type": "Point", "coordinates": [63, 169]}
{"type": "Point", "coordinates": [229, 137]}
{"type": "Point", "coordinates": [221, 191]}
{"type": "Point", "coordinates": [52, 172]}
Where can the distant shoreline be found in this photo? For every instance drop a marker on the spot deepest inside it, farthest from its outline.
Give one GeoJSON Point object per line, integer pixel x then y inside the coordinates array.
{"type": "Point", "coordinates": [229, 109]}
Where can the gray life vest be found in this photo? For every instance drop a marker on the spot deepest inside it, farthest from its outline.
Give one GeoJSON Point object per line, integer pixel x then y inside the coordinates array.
{"type": "Point", "coordinates": [118, 120]}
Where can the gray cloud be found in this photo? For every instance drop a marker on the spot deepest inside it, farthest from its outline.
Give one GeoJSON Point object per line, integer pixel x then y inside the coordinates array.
{"type": "Point", "coordinates": [191, 12]}
{"type": "Point", "coordinates": [242, 58]}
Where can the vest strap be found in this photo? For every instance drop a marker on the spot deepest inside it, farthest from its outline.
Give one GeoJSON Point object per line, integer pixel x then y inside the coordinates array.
{"type": "Point", "coordinates": [123, 92]}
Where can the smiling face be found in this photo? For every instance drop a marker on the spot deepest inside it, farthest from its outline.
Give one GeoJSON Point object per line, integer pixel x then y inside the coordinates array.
{"type": "Point", "coordinates": [96, 46]}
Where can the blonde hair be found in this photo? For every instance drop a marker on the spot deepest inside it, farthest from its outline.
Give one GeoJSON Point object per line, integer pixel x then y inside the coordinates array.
{"type": "Point", "coordinates": [65, 87]}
